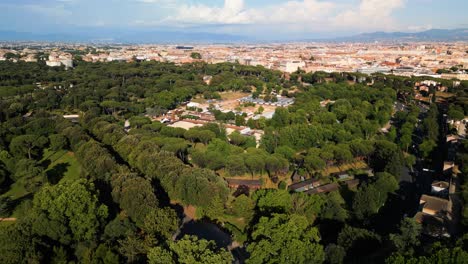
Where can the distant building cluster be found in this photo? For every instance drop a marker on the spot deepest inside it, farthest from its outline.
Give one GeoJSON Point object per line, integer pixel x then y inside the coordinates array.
{"type": "Point", "coordinates": [419, 59]}
{"type": "Point", "coordinates": [278, 101]}
{"type": "Point", "coordinates": [58, 59]}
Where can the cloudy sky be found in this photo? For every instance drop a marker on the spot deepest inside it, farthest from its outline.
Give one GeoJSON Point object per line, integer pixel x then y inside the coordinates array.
{"type": "Point", "coordinates": [264, 18]}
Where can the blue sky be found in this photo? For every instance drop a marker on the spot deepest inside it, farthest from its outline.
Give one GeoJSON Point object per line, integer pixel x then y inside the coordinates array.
{"type": "Point", "coordinates": [266, 18]}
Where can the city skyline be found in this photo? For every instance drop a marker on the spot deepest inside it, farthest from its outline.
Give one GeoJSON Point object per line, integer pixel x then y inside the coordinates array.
{"type": "Point", "coordinates": [262, 20]}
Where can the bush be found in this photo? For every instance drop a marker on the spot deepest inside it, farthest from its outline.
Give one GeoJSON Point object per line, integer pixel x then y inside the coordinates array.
{"type": "Point", "coordinates": [282, 185]}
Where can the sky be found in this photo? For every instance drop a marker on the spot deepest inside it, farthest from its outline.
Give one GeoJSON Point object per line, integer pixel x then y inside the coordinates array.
{"type": "Point", "coordinates": [260, 18]}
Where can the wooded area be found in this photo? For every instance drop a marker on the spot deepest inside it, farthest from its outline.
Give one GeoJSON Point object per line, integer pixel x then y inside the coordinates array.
{"type": "Point", "coordinates": [93, 191]}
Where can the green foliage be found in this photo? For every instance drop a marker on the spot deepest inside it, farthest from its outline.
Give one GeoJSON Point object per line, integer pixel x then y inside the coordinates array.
{"type": "Point", "coordinates": [135, 196]}
{"type": "Point", "coordinates": [161, 222]}
{"type": "Point", "coordinates": [427, 146]}
{"type": "Point", "coordinates": [18, 244]}
{"type": "Point", "coordinates": [196, 55]}
{"type": "Point", "coordinates": [118, 229]}
{"type": "Point", "coordinates": [158, 255]}
{"type": "Point", "coordinates": [408, 237]}
{"type": "Point", "coordinates": [30, 174]}
{"type": "Point", "coordinates": [281, 117]}
{"type": "Point", "coordinates": [335, 254]}
{"type": "Point", "coordinates": [455, 112]}
{"type": "Point", "coordinates": [371, 197]}
{"type": "Point", "coordinates": [190, 250]}
{"type": "Point", "coordinates": [445, 255]}
{"type": "Point", "coordinates": [29, 146]}
{"type": "Point", "coordinates": [313, 162]}
{"type": "Point", "coordinates": [58, 142]}
{"type": "Point", "coordinates": [387, 157]}
{"type": "Point", "coordinates": [309, 206]}
{"type": "Point", "coordinates": [358, 242]}
{"type": "Point", "coordinates": [134, 248]}
{"type": "Point", "coordinates": [96, 160]}
{"type": "Point", "coordinates": [285, 239]}
{"type": "Point", "coordinates": [139, 121]}
{"type": "Point", "coordinates": [243, 206]}
{"type": "Point", "coordinates": [67, 222]}
{"type": "Point", "coordinates": [333, 207]}
{"type": "Point", "coordinates": [68, 211]}
{"type": "Point", "coordinates": [235, 165]}
{"type": "Point", "coordinates": [278, 201]}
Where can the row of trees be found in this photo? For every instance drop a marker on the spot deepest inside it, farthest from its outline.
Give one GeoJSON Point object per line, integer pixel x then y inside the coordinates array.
{"type": "Point", "coordinates": [430, 128]}
{"type": "Point", "coordinates": [156, 157]}
{"type": "Point", "coordinates": [237, 161]}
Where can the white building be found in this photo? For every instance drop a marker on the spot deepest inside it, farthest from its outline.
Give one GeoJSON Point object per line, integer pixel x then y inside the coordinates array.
{"type": "Point", "coordinates": [193, 104]}
{"type": "Point", "coordinates": [53, 63]}
{"type": "Point", "coordinates": [292, 66]}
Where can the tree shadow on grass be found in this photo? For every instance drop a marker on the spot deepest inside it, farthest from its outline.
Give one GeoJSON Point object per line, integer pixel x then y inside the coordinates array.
{"type": "Point", "coordinates": [14, 203]}
{"type": "Point", "coordinates": [55, 174]}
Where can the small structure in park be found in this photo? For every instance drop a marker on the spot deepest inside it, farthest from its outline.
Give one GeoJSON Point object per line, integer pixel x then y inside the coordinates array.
{"type": "Point", "coordinates": [434, 215]}
{"type": "Point", "coordinates": [432, 205]}
{"type": "Point", "coordinates": [73, 118]}
{"type": "Point", "coordinates": [324, 188]}
{"type": "Point", "coordinates": [252, 184]}
{"type": "Point", "coordinates": [304, 185]}
{"type": "Point", "coordinates": [352, 183]}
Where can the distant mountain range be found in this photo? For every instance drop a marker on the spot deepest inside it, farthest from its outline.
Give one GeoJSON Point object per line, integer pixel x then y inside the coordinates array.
{"type": "Point", "coordinates": [428, 35]}
{"type": "Point", "coordinates": [115, 36]}
{"type": "Point", "coordinates": [171, 37]}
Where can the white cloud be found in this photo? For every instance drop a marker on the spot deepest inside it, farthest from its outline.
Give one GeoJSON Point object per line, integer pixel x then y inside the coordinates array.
{"type": "Point", "coordinates": [156, 1]}
{"type": "Point", "coordinates": [312, 14]}
{"type": "Point", "coordinates": [420, 28]}
{"type": "Point", "coordinates": [370, 14]}
{"type": "Point", "coordinates": [231, 13]}
{"type": "Point", "coordinates": [57, 11]}
{"type": "Point", "coordinates": [234, 12]}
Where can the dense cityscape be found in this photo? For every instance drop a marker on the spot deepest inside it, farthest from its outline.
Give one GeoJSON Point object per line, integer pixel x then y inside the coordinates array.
{"type": "Point", "coordinates": [408, 59]}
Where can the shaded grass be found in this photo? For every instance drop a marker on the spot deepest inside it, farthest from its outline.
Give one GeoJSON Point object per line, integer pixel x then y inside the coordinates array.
{"type": "Point", "coordinates": [59, 166]}
{"type": "Point", "coordinates": [232, 95]}
{"type": "Point", "coordinates": [344, 167]}
{"type": "Point", "coordinates": [63, 166]}
{"type": "Point", "coordinates": [17, 190]}
{"type": "Point", "coordinates": [444, 95]}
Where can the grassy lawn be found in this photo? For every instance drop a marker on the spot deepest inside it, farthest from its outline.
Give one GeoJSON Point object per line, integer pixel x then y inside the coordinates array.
{"type": "Point", "coordinates": [199, 100]}
{"type": "Point", "coordinates": [60, 165]}
{"type": "Point", "coordinates": [345, 167]}
{"type": "Point", "coordinates": [17, 191]}
{"type": "Point", "coordinates": [239, 222]}
{"type": "Point", "coordinates": [267, 182]}
{"type": "Point", "coordinates": [444, 95]}
{"type": "Point", "coordinates": [63, 166]}
{"type": "Point", "coordinates": [6, 223]}
{"type": "Point", "coordinates": [232, 95]}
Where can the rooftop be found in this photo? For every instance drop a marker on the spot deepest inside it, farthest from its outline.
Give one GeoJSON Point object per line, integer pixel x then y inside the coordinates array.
{"type": "Point", "coordinates": [324, 188]}
{"type": "Point", "coordinates": [433, 205]}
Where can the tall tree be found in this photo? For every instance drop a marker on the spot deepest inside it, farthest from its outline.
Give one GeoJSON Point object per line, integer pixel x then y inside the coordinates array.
{"type": "Point", "coordinates": [190, 250]}
{"type": "Point", "coordinates": [285, 239]}
{"type": "Point", "coordinates": [68, 211]}
{"type": "Point", "coordinates": [29, 146]}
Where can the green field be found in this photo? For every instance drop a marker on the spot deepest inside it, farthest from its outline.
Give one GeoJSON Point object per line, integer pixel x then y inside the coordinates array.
{"type": "Point", "coordinates": [59, 166]}
{"type": "Point", "coordinates": [63, 166]}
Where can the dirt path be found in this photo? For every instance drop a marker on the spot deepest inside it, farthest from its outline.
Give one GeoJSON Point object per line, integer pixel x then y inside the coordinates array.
{"type": "Point", "coordinates": [7, 219]}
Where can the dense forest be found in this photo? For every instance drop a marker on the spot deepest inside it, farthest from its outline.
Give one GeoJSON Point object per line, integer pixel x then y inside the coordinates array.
{"type": "Point", "coordinates": [93, 191]}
